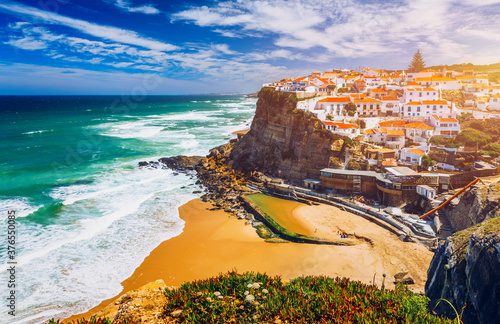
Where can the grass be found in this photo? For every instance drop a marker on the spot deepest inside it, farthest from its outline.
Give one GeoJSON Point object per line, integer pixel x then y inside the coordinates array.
{"type": "Point", "coordinates": [259, 298]}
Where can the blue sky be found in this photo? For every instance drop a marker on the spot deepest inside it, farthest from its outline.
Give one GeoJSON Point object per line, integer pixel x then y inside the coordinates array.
{"type": "Point", "coordinates": [187, 47]}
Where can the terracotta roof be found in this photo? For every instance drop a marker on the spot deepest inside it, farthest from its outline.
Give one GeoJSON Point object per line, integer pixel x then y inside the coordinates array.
{"type": "Point", "coordinates": [429, 89]}
{"type": "Point", "coordinates": [434, 79]}
{"type": "Point", "coordinates": [369, 131]}
{"type": "Point", "coordinates": [413, 103]}
{"type": "Point", "coordinates": [382, 130]}
{"type": "Point", "coordinates": [435, 102]}
{"type": "Point", "coordinates": [378, 90]}
{"type": "Point", "coordinates": [418, 126]}
{"type": "Point", "coordinates": [417, 152]}
{"type": "Point", "coordinates": [412, 84]}
{"type": "Point", "coordinates": [452, 120]}
{"type": "Point", "coordinates": [341, 125]}
{"type": "Point", "coordinates": [369, 100]}
{"type": "Point", "coordinates": [391, 132]}
{"type": "Point", "coordinates": [393, 123]}
{"type": "Point", "coordinates": [336, 99]}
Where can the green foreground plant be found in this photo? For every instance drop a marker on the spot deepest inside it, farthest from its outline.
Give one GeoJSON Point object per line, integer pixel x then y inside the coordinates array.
{"type": "Point", "coordinates": [257, 298]}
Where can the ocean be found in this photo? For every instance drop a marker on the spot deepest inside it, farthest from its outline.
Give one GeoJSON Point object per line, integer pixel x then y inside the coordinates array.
{"type": "Point", "coordinates": [87, 216]}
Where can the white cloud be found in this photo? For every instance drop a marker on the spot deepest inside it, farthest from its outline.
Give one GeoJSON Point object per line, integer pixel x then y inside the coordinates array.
{"type": "Point", "coordinates": [354, 29]}
{"type": "Point", "coordinates": [145, 9]}
{"type": "Point", "coordinates": [105, 32]}
{"type": "Point", "coordinates": [27, 43]}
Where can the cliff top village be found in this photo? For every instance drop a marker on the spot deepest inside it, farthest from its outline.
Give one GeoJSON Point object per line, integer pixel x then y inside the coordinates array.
{"type": "Point", "coordinates": [402, 124]}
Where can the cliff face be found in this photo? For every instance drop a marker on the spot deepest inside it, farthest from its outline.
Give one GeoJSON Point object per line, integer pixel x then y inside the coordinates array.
{"type": "Point", "coordinates": [478, 204]}
{"type": "Point", "coordinates": [473, 256]}
{"type": "Point", "coordinates": [283, 138]}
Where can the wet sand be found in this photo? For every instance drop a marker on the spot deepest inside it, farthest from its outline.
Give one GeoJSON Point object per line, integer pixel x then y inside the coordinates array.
{"type": "Point", "coordinates": [213, 243]}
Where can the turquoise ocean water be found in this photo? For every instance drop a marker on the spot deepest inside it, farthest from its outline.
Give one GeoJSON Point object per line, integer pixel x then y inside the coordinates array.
{"type": "Point", "coordinates": [86, 215]}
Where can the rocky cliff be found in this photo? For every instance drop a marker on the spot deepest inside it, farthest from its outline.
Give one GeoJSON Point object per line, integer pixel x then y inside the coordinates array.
{"type": "Point", "coordinates": [473, 278]}
{"type": "Point", "coordinates": [477, 204]}
{"type": "Point", "coordinates": [285, 141]}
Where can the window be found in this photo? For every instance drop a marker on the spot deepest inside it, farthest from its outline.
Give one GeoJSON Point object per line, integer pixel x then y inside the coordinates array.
{"type": "Point", "coordinates": [371, 106]}
{"type": "Point", "coordinates": [434, 108]}
{"type": "Point", "coordinates": [409, 108]}
{"type": "Point", "coordinates": [427, 93]}
{"type": "Point", "coordinates": [418, 108]}
{"type": "Point", "coordinates": [441, 106]}
{"type": "Point", "coordinates": [420, 94]}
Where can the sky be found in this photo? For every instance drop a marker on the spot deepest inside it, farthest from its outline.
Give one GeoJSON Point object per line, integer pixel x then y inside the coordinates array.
{"type": "Point", "coordinates": [162, 47]}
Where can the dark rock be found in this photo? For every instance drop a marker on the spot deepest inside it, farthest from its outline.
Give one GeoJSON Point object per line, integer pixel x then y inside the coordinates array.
{"type": "Point", "coordinates": [197, 191]}
{"type": "Point", "coordinates": [472, 256]}
{"type": "Point", "coordinates": [143, 163]}
{"type": "Point", "coordinates": [181, 162]}
{"type": "Point", "coordinates": [400, 275]}
{"type": "Point", "coordinates": [406, 281]}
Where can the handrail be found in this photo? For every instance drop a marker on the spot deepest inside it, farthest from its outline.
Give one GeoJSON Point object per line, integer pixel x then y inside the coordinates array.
{"type": "Point", "coordinates": [450, 199]}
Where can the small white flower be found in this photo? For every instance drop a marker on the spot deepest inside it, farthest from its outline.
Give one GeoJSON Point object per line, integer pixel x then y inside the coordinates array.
{"type": "Point", "coordinates": [209, 299]}
{"type": "Point", "coordinates": [217, 293]}
{"type": "Point", "coordinates": [246, 293]}
{"type": "Point", "coordinates": [256, 285]}
{"type": "Point", "coordinates": [249, 285]}
{"type": "Point", "coordinates": [265, 291]}
{"type": "Point", "coordinates": [221, 297]}
{"type": "Point", "coordinates": [249, 298]}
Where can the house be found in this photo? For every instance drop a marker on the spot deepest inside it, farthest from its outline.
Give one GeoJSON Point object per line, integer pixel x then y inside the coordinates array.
{"type": "Point", "coordinates": [390, 106]}
{"type": "Point", "coordinates": [333, 106]}
{"type": "Point", "coordinates": [368, 107]}
{"type": "Point", "coordinates": [419, 132]}
{"type": "Point", "coordinates": [482, 79]}
{"type": "Point", "coordinates": [349, 130]}
{"type": "Point", "coordinates": [372, 72]}
{"type": "Point", "coordinates": [425, 108]}
{"type": "Point", "coordinates": [446, 127]}
{"type": "Point", "coordinates": [378, 93]}
{"type": "Point", "coordinates": [494, 102]}
{"type": "Point", "coordinates": [390, 138]}
{"type": "Point", "coordinates": [360, 85]}
{"type": "Point", "coordinates": [482, 102]}
{"type": "Point", "coordinates": [418, 94]}
{"type": "Point", "coordinates": [412, 155]}
{"type": "Point", "coordinates": [444, 83]}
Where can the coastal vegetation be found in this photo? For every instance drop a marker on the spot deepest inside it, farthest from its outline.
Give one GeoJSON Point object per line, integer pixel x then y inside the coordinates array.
{"type": "Point", "coordinates": [259, 298]}
{"type": "Point", "coordinates": [417, 63]}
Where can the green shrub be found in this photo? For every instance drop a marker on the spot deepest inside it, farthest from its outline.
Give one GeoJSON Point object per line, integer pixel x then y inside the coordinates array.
{"type": "Point", "coordinates": [256, 298]}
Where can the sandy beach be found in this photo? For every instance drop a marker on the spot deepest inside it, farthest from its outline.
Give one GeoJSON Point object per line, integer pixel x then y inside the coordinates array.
{"type": "Point", "coordinates": [213, 243]}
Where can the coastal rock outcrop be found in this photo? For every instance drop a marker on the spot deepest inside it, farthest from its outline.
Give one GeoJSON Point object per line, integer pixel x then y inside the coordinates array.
{"type": "Point", "coordinates": [478, 204]}
{"type": "Point", "coordinates": [472, 257]}
{"type": "Point", "coordinates": [285, 141]}
{"type": "Point", "coordinates": [179, 163]}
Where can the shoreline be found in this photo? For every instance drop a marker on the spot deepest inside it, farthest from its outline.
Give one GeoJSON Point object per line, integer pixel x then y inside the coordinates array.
{"type": "Point", "coordinates": [212, 242]}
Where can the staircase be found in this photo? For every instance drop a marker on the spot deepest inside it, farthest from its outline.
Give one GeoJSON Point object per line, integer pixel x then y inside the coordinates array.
{"type": "Point", "coordinates": [356, 182]}
{"type": "Point", "coordinates": [440, 218]}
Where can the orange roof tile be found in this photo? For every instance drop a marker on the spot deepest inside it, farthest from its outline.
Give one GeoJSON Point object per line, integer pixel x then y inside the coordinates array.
{"type": "Point", "coordinates": [393, 123]}
{"type": "Point", "coordinates": [435, 102]}
{"type": "Point", "coordinates": [367, 100]}
{"type": "Point", "coordinates": [391, 132]}
{"type": "Point", "coordinates": [336, 99]}
{"type": "Point", "coordinates": [382, 130]}
{"type": "Point", "coordinates": [412, 84]}
{"type": "Point", "coordinates": [418, 126]}
{"type": "Point", "coordinates": [450, 120]}
{"type": "Point", "coordinates": [378, 90]}
{"type": "Point", "coordinates": [369, 131]}
{"type": "Point", "coordinates": [417, 152]}
{"type": "Point", "coordinates": [413, 103]}
{"type": "Point", "coordinates": [345, 126]}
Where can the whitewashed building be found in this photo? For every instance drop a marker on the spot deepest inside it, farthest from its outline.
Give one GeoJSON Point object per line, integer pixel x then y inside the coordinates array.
{"type": "Point", "coordinates": [446, 127]}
